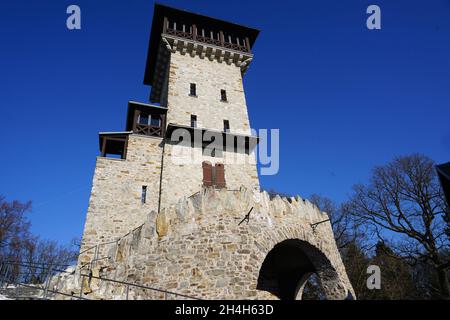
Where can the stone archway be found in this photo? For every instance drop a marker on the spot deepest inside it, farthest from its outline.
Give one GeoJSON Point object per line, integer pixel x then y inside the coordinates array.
{"type": "Point", "coordinates": [288, 266]}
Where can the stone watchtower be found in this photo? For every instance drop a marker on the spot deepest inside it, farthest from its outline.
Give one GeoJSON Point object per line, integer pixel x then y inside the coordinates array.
{"type": "Point", "coordinates": [194, 132]}
{"type": "Point", "coordinates": [175, 201]}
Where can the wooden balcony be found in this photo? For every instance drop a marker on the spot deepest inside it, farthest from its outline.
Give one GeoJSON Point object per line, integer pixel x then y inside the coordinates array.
{"type": "Point", "coordinates": [218, 39]}
{"type": "Point", "coordinates": [153, 122]}
{"type": "Point", "coordinates": [114, 144]}
{"type": "Point", "coordinates": [196, 35]}
{"type": "Point", "coordinates": [148, 130]}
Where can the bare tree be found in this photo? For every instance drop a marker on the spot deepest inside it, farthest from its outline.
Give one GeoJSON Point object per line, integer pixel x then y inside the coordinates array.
{"type": "Point", "coordinates": [14, 228]}
{"type": "Point", "coordinates": [25, 250]}
{"type": "Point", "coordinates": [40, 255]}
{"type": "Point", "coordinates": [404, 203]}
{"type": "Point", "coordinates": [397, 281]}
{"type": "Point", "coordinates": [344, 228]}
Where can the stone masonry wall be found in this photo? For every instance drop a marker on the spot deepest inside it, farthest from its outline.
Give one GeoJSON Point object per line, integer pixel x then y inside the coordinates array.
{"type": "Point", "coordinates": [210, 77]}
{"type": "Point", "coordinates": [115, 205]}
{"type": "Point", "coordinates": [184, 179]}
{"type": "Point", "coordinates": [198, 248]}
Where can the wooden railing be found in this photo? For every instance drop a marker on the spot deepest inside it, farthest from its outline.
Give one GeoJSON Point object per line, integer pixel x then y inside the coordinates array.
{"type": "Point", "coordinates": [148, 130]}
{"type": "Point", "coordinates": [181, 34]}
{"type": "Point", "coordinates": [235, 46]}
{"type": "Point", "coordinates": [208, 40]}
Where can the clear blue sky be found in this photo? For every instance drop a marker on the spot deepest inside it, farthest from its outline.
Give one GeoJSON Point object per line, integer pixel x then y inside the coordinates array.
{"type": "Point", "coordinates": [345, 98]}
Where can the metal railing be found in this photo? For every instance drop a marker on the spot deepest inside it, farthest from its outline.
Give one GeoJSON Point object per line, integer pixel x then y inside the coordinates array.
{"type": "Point", "coordinates": [16, 275]}
{"type": "Point", "coordinates": [95, 258]}
{"type": "Point", "coordinates": [97, 248]}
{"type": "Point", "coordinates": [20, 274]}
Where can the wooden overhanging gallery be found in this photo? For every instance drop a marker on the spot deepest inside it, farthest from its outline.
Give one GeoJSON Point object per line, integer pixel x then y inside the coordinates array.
{"type": "Point", "coordinates": [177, 30]}
{"type": "Point", "coordinates": [150, 120]}
{"type": "Point", "coordinates": [202, 137]}
{"type": "Point", "coordinates": [113, 144]}
{"type": "Point", "coordinates": [142, 118]}
{"type": "Point", "coordinates": [146, 119]}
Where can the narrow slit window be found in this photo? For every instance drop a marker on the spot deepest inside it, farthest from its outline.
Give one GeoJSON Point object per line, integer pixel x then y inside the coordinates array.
{"type": "Point", "coordinates": [193, 121]}
{"type": "Point", "coordinates": [226, 126]}
{"type": "Point", "coordinates": [223, 95]}
{"type": "Point", "coordinates": [193, 91]}
{"type": "Point", "coordinates": [144, 194]}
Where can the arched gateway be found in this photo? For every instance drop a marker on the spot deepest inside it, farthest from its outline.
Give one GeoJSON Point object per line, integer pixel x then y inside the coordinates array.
{"type": "Point", "coordinates": [290, 264]}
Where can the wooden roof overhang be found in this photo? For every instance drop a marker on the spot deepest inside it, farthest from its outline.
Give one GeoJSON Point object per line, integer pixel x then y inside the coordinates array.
{"type": "Point", "coordinates": [164, 40]}
{"type": "Point", "coordinates": [144, 107]}
{"type": "Point", "coordinates": [116, 142]}
{"type": "Point", "coordinates": [196, 137]}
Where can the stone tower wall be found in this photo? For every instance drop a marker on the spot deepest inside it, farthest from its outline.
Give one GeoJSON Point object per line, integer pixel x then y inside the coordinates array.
{"type": "Point", "coordinates": [210, 76]}
{"type": "Point", "coordinates": [182, 180]}
{"type": "Point", "coordinates": [115, 205]}
{"type": "Point", "coordinates": [187, 239]}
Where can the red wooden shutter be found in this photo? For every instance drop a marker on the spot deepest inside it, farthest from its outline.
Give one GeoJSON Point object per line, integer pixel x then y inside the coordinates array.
{"type": "Point", "coordinates": [220, 175]}
{"type": "Point", "coordinates": [207, 173]}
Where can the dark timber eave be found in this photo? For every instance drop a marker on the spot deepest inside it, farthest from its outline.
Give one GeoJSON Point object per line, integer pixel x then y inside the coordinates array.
{"type": "Point", "coordinates": [241, 142]}
{"type": "Point", "coordinates": [162, 11]}
{"type": "Point", "coordinates": [134, 105]}
{"type": "Point", "coordinates": [113, 143]}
